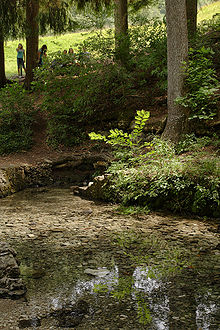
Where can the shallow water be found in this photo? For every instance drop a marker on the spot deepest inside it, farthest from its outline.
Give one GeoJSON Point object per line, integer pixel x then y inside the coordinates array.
{"type": "Point", "coordinates": [59, 237]}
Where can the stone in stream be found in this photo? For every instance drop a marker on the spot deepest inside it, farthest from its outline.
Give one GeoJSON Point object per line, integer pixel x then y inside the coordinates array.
{"type": "Point", "coordinates": [11, 286]}
{"type": "Point", "coordinates": [96, 189]}
{"type": "Point", "coordinates": [29, 323]}
{"type": "Point", "coordinates": [100, 272]}
{"type": "Point", "coordinates": [71, 315]}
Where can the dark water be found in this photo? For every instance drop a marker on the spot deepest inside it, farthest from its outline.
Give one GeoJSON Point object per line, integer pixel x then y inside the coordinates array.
{"type": "Point", "coordinates": [172, 290]}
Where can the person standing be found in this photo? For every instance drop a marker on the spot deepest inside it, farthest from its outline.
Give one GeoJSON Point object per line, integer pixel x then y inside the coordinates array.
{"type": "Point", "coordinates": [42, 52]}
{"type": "Point", "coordinates": [20, 59]}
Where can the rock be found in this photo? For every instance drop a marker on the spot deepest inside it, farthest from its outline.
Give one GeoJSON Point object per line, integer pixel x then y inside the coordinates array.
{"type": "Point", "coordinates": [71, 315]}
{"type": "Point", "coordinates": [96, 190]}
{"type": "Point", "coordinates": [11, 286]}
{"type": "Point", "coordinates": [74, 169]}
{"type": "Point", "coordinates": [75, 189]}
{"type": "Point", "coordinates": [14, 179]}
{"type": "Point", "coordinates": [29, 323]}
{"type": "Point", "coordinates": [100, 272]}
{"type": "Point", "coordinates": [86, 212]}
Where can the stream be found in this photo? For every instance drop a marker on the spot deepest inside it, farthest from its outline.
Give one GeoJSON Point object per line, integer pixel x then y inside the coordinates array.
{"type": "Point", "coordinates": [86, 266]}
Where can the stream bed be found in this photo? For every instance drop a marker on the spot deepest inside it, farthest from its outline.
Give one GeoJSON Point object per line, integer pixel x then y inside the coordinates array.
{"type": "Point", "coordinates": [86, 266]}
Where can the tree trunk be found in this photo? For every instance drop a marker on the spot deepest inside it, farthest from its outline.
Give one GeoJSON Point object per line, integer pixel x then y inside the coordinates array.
{"type": "Point", "coordinates": [32, 36]}
{"type": "Point", "coordinates": [177, 51]}
{"type": "Point", "coordinates": [2, 61]}
{"type": "Point", "coordinates": [191, 11]}
{"type": "Point", "coordinates": [121, 31]}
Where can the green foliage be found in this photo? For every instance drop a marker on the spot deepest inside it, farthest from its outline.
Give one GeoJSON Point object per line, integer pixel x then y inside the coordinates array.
{"type": "Point", "coordinates": [163, 180]}
{"type": "Point", "coordinates": [63, 117]}
{"type": "Point", "coordinates": [202, 84]}
{"type": "Point", "coordinates": [88, 18]}
{"type": "Point", "coordinates": [78, 94]}
{"type": "Point", "coordinates": [122, 139]}
{"type": "Point", "coordinates": [143, 312]}
{"type": "Point", "coordinates": [16, 117]}
{"type": "Point", "coordinates": [148, 46]}
{"type": "Point", "coordinates": [101, 44]}
{"type": "Point", "coordinates": [147, 49]}
{"type": "Point", "coordinates": [192, 143]}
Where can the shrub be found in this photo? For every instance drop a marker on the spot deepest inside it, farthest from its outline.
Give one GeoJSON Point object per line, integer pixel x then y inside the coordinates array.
{"type": "Point", "coordinates": [202, 83]}
{"type": "Point", "coordinates": [149, 50]}
{"type": "Point", "coordinates": [160, 179]}
{"type": "Point", "coordinates": [74, 101]}
{"type": "Point", "coordinates": [16, 117]}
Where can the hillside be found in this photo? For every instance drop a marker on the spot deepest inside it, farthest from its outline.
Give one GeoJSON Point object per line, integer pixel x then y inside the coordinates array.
{"type": "Point", "coordinates": [207, 12]}
{"type": "Point", "coordinates": [61, 42]}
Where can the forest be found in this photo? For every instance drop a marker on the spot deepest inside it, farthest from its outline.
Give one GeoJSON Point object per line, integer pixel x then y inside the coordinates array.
{"type": "Point", "coordinates": [109, 164]}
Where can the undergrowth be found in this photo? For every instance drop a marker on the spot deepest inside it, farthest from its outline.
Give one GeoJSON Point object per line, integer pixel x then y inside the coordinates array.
{"type": "Point", "coordinates": [155, 176]}
{"type": "Point", "coordinates": [16, 118]}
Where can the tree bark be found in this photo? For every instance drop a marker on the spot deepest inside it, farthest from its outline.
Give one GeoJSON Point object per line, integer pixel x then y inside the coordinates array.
{"type": "Point", "coordinates": [2, 61]}
{"type": "Point", "coordinates": [32, 37]}
{"type": "Point", "coordinates": [121, 31]}
{"type": "Point", "coordinates": [191, 11]}
{"type": "Point", "coordinates": [177, 52]}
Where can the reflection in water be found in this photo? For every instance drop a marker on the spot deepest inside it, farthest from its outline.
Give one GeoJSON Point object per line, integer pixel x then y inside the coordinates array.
{"type": "Point", "coordinates": [157, 296]}
{"type": "Point", "coordinates": [156, 293]}
{"type": "Point", "coordinates": [206, 309]}
{"type": "Point", "coordinates": [110, 280]}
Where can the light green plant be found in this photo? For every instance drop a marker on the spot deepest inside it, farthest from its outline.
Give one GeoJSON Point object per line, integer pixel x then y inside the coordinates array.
{"type": "Point", "coordinates": [120, 138]}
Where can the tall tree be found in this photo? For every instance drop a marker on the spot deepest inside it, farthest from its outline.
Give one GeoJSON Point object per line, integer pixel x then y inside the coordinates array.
{"type": "Point", "coordinates": [2, 60]}
{"type": "Point", "coordinates": [191, 11]}
{"type": "Point", "coordinates": [121, 31]}
{"type": "Point", "coordinates": [41, 15]}
{"type": "Point", "coordinates": [32, 36]}
{"type": "Point", "coordinates": [177, 52]}
{"type": "Point", "coordinates": [9, 13]}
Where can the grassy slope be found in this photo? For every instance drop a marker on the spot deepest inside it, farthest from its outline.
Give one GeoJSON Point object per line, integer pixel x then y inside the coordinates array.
{"type": "Point", "coordinates": [208, 11]}
{"type": "Point", "coordinates": [55, 43]}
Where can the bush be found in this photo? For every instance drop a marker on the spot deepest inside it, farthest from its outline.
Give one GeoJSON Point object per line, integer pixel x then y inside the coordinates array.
{"type": "Point", "coordinates": [147, 49]}
{"type": "Point", "coordinates": [100, 91]}
{"type": "Point", "coordinates": [176, 188]}
{"type": "Point", "coordinates": [75, 101]}
{"type": "Point", "coordinates": [16, 117]}
{"type": "Point", "coordinates": [202, 84]}
{"type": "Point", "coordinates": [160, 179]}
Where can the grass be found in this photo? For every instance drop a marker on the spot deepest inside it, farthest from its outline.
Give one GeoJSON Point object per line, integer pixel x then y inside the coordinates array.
{"type": "Point", "coordinates": [61, 42]}
{"type": "Point", "coordinates": [206, 12]}
{"type": "Point", "coordinates": [54, 43]}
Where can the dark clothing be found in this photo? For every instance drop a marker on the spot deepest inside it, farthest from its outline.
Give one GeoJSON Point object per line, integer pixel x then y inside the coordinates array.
{"type": "Point", "coordinates": [20, 63]}
{"type": "Point", "coordinates": [42, 54]}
